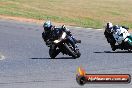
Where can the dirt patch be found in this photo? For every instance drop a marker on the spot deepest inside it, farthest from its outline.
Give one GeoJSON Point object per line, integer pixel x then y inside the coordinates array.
{"type": "Point", "coordinates": [22, 19]}
{"type": "Point", "coordinates": [4, 3]}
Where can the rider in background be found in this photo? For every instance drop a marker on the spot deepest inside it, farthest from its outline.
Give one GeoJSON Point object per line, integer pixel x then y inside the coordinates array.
{"type": "Point", "coordinates": [112, 34]}
{"type": "Point", "coordinates": [109, 35]}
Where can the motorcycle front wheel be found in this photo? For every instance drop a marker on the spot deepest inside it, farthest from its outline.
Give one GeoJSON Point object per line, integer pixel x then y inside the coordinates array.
{"type": "Point", "coordinates": [70, 51]}
{"type": "Point", "coordinates": [52, 54]}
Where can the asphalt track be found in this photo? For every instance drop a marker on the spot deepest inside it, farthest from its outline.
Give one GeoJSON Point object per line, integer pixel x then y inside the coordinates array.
{"type": "Point", "coordinates": [27, 63]}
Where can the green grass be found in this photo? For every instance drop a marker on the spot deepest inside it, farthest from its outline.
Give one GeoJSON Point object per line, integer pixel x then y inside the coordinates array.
{"type": "Point", "coordinates": [85, 13]}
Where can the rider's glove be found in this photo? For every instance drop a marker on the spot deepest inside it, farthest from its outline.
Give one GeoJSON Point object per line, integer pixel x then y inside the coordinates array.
{"type": "Point", "coordinates": [65, 29]}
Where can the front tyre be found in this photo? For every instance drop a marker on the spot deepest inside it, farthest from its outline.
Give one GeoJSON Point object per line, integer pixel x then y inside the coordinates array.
{"type": "Point", "coordinates": [70, 51]}
{"type": "Point", "coordinates": [52, 53]}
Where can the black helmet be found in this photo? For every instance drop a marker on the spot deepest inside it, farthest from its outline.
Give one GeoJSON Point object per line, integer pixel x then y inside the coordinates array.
{"type": "Point", "coordinates": [109, 27]}
{"type": "Point", "coordinates": [47, 26]}
{"type": "Point", "coordinates": [115, 27]}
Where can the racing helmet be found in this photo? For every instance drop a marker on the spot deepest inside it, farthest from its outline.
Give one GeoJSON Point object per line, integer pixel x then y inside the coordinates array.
{"type": "Point", "coordinates": [115, 27]}
{"type": "Point", "coordinates": [47, 26]}
{"type": "Point", "coordinates": [109, 27]}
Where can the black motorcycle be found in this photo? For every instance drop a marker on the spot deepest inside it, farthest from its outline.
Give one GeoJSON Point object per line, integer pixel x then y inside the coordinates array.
{"type": "Point", "coordinates": [65, 44]}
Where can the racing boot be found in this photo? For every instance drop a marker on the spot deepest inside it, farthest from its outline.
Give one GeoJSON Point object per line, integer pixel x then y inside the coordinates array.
{"type": "Point", "coordinates": [78, 41]}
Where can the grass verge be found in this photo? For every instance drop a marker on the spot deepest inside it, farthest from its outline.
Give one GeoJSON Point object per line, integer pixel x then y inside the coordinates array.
{"type": "Point", "coordinates": [85, 13]}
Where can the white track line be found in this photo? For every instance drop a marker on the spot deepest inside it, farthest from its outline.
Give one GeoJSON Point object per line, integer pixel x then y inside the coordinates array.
{"type": "Point", "coordinates": [80, 28]}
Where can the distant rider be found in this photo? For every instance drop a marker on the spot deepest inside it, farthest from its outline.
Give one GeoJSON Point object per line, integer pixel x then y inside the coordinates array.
{"type": "Point", "coordinates": [112, 34]}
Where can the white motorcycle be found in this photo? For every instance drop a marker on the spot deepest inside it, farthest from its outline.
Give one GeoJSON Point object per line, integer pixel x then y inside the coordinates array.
{"type": "Point", "coordinates": [123, 38]}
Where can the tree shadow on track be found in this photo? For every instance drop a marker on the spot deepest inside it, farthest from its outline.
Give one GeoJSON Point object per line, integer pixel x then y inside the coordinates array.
{"type": "Point", "coordinates": [114, 52]}
{"type": "Point", "coordinates": [55, 58]}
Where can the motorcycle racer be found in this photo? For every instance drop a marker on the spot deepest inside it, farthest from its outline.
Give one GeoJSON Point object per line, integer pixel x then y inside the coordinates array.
{"type": "Point", "coordinates": [116, 34]}
{"type": "Point", "coordinates": [51, 32]}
